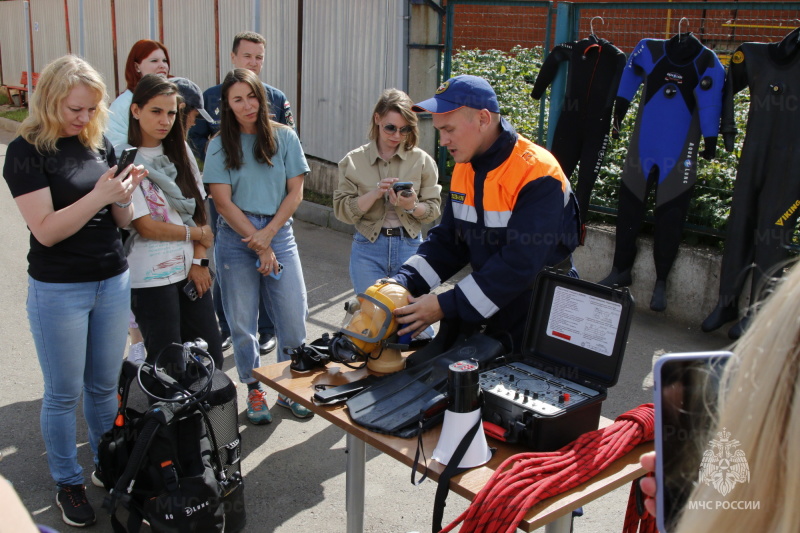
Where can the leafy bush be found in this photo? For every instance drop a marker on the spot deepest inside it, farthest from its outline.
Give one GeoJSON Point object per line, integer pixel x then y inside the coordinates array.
{"type": "Point", "coordinates": [511, 74]}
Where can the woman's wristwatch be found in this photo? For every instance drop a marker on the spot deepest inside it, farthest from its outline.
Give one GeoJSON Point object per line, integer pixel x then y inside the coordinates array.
{"type": "Point", "coordinates": [411, 211]}
{"type": "Point", "coordinates": [200, 262]}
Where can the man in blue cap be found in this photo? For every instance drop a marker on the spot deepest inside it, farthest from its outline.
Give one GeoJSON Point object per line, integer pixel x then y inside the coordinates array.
{"type": "Point", "coordinates": [511, 212]}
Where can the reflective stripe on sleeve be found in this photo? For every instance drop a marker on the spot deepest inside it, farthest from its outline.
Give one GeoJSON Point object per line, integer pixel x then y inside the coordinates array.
{"type": "Point", "coordinates": [496, 219]}
{"type": "Point", "coordinates": [477, 298]}
{"type": "Point", "coordinates": [425, 270]}
{"type": "Point", "coordinates": [464, 212]}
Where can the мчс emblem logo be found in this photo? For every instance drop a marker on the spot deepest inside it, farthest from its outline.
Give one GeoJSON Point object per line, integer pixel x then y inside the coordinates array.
{"type": "Point", "coordinates": [457, 197]}
{"type": "Point", "coordinates": [723, 466]}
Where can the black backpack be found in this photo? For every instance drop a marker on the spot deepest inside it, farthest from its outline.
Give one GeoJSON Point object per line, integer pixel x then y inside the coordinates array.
{"type": "Point", "coordinates": [173, 455]}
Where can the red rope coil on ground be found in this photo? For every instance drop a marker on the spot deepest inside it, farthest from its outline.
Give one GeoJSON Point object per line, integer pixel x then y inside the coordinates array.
{"type": "Point", "coordinates": [525, 479]}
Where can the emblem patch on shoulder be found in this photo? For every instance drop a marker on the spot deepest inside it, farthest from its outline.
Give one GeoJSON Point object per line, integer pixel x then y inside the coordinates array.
{"type": "Point", "coordinates": [443, 87]}
{"type": "Point", "coordinates": [457, 197]}
{"type": "Point", "coordinates": [738, 57]}
{"type": "Point", "coordinates": [287, 113]}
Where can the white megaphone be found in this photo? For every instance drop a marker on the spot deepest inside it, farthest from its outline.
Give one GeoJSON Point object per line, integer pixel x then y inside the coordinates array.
{"type": "Point", "coordinates": [462, 414]}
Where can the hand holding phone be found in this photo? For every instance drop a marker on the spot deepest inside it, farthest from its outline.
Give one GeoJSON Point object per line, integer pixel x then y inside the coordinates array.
{"type": "Point", "coordinates": [125, 159]}
{"type": "Point", "coordinates": [686, 396]}
{"type": "Point", "coordinates": [190, 289]}
{"type": "Point", "coordinates": [272, 272]}
{"type": "Point", "coordinates": [403, 188]}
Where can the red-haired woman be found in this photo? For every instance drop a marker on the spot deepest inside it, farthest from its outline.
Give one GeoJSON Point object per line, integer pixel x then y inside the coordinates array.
{"type": "Point", "coordinates": [145, 57]}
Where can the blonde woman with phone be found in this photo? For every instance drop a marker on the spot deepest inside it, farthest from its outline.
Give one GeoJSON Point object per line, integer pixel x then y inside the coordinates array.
{"type": "Point", "coordinates": [61, 173]}
{"type": "Point", "coordinates": [759, 414]}
{"type": "Point", "coordinates": [387, 189]}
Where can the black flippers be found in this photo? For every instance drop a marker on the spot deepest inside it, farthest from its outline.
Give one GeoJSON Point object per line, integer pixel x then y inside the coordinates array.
{"type": "Point", "coordinates": [398, 402]}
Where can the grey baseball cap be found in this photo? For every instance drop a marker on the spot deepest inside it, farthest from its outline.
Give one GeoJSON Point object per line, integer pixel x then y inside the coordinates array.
{"type": "Point", "coordinates": [192, 95]}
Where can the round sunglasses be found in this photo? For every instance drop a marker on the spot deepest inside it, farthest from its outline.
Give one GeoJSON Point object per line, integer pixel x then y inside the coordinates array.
{"type": "Point", "coordinates": [391, 129]}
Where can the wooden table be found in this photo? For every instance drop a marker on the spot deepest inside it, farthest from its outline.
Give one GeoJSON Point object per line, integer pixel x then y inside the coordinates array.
{"type": "Point", "coordinates": [555, 512]}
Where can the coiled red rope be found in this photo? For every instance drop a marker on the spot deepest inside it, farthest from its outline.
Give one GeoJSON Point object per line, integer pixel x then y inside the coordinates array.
{"type": "Point", "coordinates": [525, 479]}
{"type": "Point", "coordinates": [636, 522]}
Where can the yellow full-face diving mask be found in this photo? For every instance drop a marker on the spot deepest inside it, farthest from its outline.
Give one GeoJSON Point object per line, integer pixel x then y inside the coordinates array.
{"type": "Point", "coordinates": [370, 320]}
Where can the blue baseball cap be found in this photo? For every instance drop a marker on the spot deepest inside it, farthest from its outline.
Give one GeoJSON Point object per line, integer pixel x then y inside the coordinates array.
{"type": "Point", "coordinates": [461, 91]}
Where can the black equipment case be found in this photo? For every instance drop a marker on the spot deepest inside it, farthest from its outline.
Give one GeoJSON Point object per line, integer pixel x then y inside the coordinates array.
{"type": "Point", "coordinates": [552, 392]}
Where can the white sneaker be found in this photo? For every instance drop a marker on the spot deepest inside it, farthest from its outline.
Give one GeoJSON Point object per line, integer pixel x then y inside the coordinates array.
{"type": "Point", "coordinates": [136, 353]}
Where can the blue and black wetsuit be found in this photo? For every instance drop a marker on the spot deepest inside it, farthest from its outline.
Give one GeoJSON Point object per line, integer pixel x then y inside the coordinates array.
{"type": "Point", "coordinates": [595, 67]}
{"type": "Point", "coordinates": [682, 99]}
{"type": "Point", "coordinates": [766, 199]}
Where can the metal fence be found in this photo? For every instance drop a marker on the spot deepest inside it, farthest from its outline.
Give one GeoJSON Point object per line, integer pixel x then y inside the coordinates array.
{"type": "Point", "coordinates": [475, 24]}
{"type": "Point", "coordinates": [332, 58]}
{"type": "Point", "coordinates": [512, 27]}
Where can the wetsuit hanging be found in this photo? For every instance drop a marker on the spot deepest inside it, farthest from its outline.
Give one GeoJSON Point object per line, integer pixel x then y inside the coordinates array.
{"type": "Point", "coordinates": [595, 67]}
{"type": "Point", "coordinates": [766, 198]}
{"type": "Point", "coordinates": [682, 99]}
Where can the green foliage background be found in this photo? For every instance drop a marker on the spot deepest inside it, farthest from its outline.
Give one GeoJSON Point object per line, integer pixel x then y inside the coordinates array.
{"type": "Point", "coordinates": [512, 75]}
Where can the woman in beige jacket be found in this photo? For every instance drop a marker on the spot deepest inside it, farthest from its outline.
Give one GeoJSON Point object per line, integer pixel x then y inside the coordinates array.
{"type": "Point", "coordinates": [388, 225]}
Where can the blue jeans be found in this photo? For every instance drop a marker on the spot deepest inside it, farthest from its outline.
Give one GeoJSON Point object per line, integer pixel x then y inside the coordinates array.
{"type": "Point", "coordinates": [80, 332]}
{"type": "Point", "coordinates": [371, 261]}
{"type": "Point", "coordinates": [265, 326]}
{"type": "Point", "coordinates": [285, 298]}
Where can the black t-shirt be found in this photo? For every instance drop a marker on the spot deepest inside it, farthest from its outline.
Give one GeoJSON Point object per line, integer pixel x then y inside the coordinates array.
{"type": "Point", "coordinates": [94, 253]}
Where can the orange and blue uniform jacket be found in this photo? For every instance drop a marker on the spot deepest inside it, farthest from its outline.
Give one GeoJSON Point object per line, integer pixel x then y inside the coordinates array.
{"type": "Point", "coordinates": [511, 212]}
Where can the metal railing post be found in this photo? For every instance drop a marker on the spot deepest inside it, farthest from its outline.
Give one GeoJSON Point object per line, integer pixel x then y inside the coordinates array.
{"type": "Point", "coordinates": [153, 20]}
{"type": "Point", "coordinates": [26, 8]}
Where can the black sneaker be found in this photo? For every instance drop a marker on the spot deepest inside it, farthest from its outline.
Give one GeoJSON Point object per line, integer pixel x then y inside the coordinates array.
{"type": "Point", "coordinates": [75, 508]}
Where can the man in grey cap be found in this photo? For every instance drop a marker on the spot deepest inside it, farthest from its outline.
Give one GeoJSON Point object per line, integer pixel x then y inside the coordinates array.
{"type": "Point", "coordinates": [511, 212]}
{"type": "Point", "coordinates": [192, 104]}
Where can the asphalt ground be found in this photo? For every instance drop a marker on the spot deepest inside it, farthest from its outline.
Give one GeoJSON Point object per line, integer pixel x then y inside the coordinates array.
{"type": "Point", "coordinates": [294, 469]}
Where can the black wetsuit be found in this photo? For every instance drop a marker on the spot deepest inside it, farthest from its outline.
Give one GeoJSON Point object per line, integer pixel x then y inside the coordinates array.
{"type": "Point", "coordinates": [682, 99]}
{"type": "Point", "coordinates": [595, 67]}
{"type": "Point", "coordinates": [766, 199]}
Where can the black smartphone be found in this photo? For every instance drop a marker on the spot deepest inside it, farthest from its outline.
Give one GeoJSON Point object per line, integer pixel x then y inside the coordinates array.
{"type": "Point", "coordinates": [190, 290]}
{"type": "Point", "coordinates": [125, 158]}
{"type": "Point", "coordinates": [403, 188]}
{"type": "Point", "coordinates": [686, 397]}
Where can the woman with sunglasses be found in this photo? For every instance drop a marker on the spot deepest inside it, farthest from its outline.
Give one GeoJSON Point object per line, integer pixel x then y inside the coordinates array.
{"type": "Point", "coordinates": [255, 169]}
{"type": "Point", "coordinates": [388, 224]}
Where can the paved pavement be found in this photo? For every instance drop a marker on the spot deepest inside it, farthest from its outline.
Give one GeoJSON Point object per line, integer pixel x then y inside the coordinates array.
{"type": "Point", "coordinates": [294, 470]}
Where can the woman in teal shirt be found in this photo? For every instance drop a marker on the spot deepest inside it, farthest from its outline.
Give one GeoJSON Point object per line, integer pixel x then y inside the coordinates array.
{"type": "Point", "coordinates": [255, 169]}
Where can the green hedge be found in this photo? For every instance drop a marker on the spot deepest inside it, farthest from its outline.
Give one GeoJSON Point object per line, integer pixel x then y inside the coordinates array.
{"type": "Point", "coordinates": [512, 74]}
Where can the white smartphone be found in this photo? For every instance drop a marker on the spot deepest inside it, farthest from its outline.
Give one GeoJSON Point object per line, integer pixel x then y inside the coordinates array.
{"type": "Point", "coordinates": [685, 397]}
